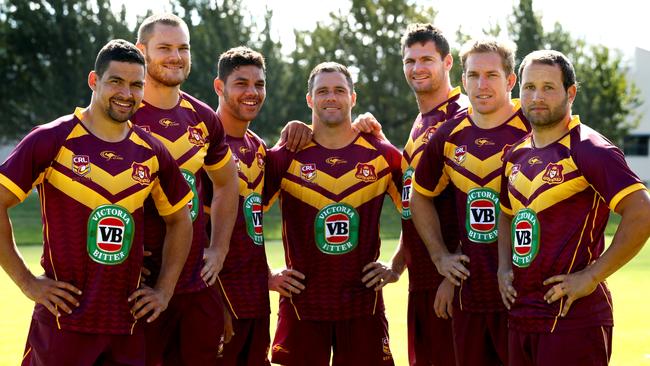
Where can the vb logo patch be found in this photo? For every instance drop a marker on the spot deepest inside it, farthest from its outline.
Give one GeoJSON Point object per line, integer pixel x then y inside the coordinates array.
{"type": "Point", "coordinates": [166, 122]}
{"type": "Point", "coordinates": [140, 173]}
{"type": "Point", "coordinates": [308, 172]}
{"type": "Point", "coordinates": [366, 172]}
{"type": "Point", "coordinates": [81, 165]}
{"type": "Point", "coordinates": [513, 173]}
{"type": "Point", "coordinates": [193, 204]}
{"type": "Point", "coordinates": [195, 136]}
{"type": "Point", "coordinates": [428, 134]}
{"type": "Point", "coordinates": [525, 237]}
{"type": "Point", "coordinates": [407, 181]}
{"type": "Point", "coordinates": [110, 234]}
{"type": "Point", "coordinates": [252, 208]}
{"type": "Point", "coordinates": [481, 215]}
{"type": "Point", "coordinates": [460, 153]}
{"type": "Point", "coordinates": [336, 229]}
{"type": "Point", "coordinates": [553, 174]}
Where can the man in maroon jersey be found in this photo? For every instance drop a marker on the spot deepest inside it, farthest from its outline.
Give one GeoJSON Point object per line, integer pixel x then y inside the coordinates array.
{"type": "Point", "coordinates": [93, 171]}
{"type": "Point", "coordinates": [558, 187]}
{"type": "Point", "coordinates": [465, 153]}
{"type": "Point", "coordinates": [427, 61]}
{"type": "Point", "coordinates": [245, 277]}
{"type": "Point", "coordinates": [189, 331]}
{"type": "Point", "coordinates": [331, 194]}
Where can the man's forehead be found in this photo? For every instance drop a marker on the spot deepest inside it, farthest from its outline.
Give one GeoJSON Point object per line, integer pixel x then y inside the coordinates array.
{"type": "Point", "coordinates": [247, 72]}
{"type": "Point", "coordinates": [125, 70]}
{"type": "Point", "coordinates": [545, 72]}
{"type": "Point", "coordinates": [333, 78]}
{"type": "Point", "coordinates": [166, 33]}
{"type": "Point", "coordinates": [421, 49]}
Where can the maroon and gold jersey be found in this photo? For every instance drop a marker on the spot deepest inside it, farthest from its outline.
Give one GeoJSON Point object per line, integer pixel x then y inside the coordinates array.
{"type": "Point", "coordinates": [194, 136]}
{"type": "Point", "coordinates": [560, 196]}
{"type": "Point", "coordinates": [244, 277]}
{"type": "Point", "coordinates": [422, 273]}
{"type": "Point", "coordinates": [331, 201]}
{"type": "Point", "coordinates": [92, 194]}
{"type": "Point", "coordinates": [469, 159]}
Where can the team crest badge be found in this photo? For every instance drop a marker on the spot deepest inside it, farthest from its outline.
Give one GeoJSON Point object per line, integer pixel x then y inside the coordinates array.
{"type": "Point", "coordinates": [166, 122]}
{"type": "Point", "coordinates": [513, 173]}
{"type": "Point", "coordinates": [252, 209]}
{"type": "Point", "coordinates": [193, 204]}
{"type": "Point", "coordinates": [407, 181]}
{"type": "Point", "coordinates": [141, 174]}
{"type": "Point", "coordinates": [81, 165]}
{"type": "Point", "coordinates": [481, 215]}
{"type": "Point", "coordinates": [428, 134]}
{"type": "Point", "coordinates": [259, 157]}
{"type": "Point", "coordinates": [110, 234]}
{"type": "Point", "coordinates": [460, 153]}
{"type": "Point", "coordinates": [308, 172]}
{"type": "Point", "coordinates": [525, 238]}
{"type": "Point", "coordinates": [110, 155]}
{"type": "Point", "coordinates": [366, 172]}
{"type": "Point", "coordinates": [482, 141]}
{"type": "Point", "coordinates": [553, 174]}
{"type": "Point", "coordinates": [195, 136]}
{"type": "Point", "coordinates": [335, 160]}
{"type": "Point", "coordinates": [336, 229]}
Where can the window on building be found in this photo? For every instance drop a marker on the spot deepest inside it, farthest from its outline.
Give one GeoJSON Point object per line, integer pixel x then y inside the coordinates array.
{"type": "Point", "coordinates": [636, 145]}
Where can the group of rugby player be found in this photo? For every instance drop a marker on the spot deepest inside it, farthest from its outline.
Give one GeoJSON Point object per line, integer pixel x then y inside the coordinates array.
{"type": "Point", "coordinates": [504, 205]}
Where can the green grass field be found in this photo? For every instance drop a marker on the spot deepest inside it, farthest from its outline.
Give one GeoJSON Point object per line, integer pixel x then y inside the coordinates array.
{"type": "Point", "coordinates": [629, 286]}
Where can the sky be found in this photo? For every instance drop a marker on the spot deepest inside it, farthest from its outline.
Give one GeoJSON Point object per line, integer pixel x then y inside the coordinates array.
{"type": "Point", "coordinates": [620, 24]}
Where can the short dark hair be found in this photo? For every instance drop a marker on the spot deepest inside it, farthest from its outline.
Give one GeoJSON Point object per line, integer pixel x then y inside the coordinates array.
{"type": "Point", "coordinates": [423, 33]}
{"type": "Point", "coordinates": [146, 28]}
{"type": "Point", "coordinates": [329, 67]}
{"type": "Point", "coordinates": [236, 57]}
{"type": "Point", "coordinates": [117, 50]}
{"type": "Point", "coordinates": [551, 57]}
{"type": "Point", "coordinates": [505, 49]}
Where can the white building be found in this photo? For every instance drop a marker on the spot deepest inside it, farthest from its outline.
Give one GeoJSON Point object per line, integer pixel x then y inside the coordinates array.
{"type": "Point", "coordinates": [636, 144]}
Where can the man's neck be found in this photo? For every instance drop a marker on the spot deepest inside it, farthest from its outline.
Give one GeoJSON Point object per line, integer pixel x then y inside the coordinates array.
{"type": "Point", "coordinates": [544, 136]}
{"type": "Point", "coordinates": [161, 96]}
{"type": "Point", "coordinates": [232, 126]}
{"type": "Point", "coordinates": [103, 128]}
{"type": "Point", "coordinates": [428, 101]}
{"type": "Point", "coordinates": [494, 119]}
{"type": "Point", "coordinates": [333, 136]}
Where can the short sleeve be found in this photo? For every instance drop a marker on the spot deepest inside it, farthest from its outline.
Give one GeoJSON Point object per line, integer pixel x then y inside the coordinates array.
{"type": "Point", "coordinates": [430, 178]}
{"type": "Point", "coordinates": [170, 191]}
{"type": "Point", "coordinates": [277, 160]}
{"type": "Point", "coordinates": [218, 153]}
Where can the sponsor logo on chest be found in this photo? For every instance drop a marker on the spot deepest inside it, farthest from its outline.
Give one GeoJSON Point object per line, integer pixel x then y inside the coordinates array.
{"type": "Point", "coordinates": [308, 172]}
{"type": "Point", "coordinates": [525, 237]}
{"type": "Point", "coordinates": [334, 161]}
{"type": "Point", "coordinates": [336, 229]}
{"type": "Point", "coordinates": [481, 216]}
{"type": "Point", "coordinates": [407, 182]}
{"type": "Point", "coordinates": [110, 155]}
{"type": "Point", "coordinates": [366, 172]}
{"type": "Point", "coordinates": [81, 165]}
{"type": "Point", "coordinates": [166, 122]}
{"type": "Point", "coordinates": [252, 208]}
{"type": "Point", "coordinates": [483, 141]}
{"type": "Point", "coordinates": [110, 234]}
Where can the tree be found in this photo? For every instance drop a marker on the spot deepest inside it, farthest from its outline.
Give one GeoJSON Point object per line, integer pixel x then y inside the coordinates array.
{"type": "Point", "coordinates": [49, 46]}
{"type": "Point", "coordinates": [367, 39]}
{"type": "Point", "coordinates": [526, 31]}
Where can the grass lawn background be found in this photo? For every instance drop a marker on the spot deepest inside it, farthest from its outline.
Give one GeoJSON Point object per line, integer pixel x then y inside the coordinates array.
{"type": "Point", "coordinates": [629, 286]}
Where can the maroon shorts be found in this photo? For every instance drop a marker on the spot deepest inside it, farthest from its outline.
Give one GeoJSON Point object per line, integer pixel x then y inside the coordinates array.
{"type": "Point", "coordinates": [250, 344]}
{"type": "Point", "coordinates": [357, 341]}
{"type": "Point", "coordinates": [480, 339]}
{"type": "Point", "coordinates": [430, 339]}
{"type": "Point", "coordinates": [188, 332]}
{"type": "Point", "coordinates": [577, 347]}
{"type": "Point", "coordinates": [49, 346]}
